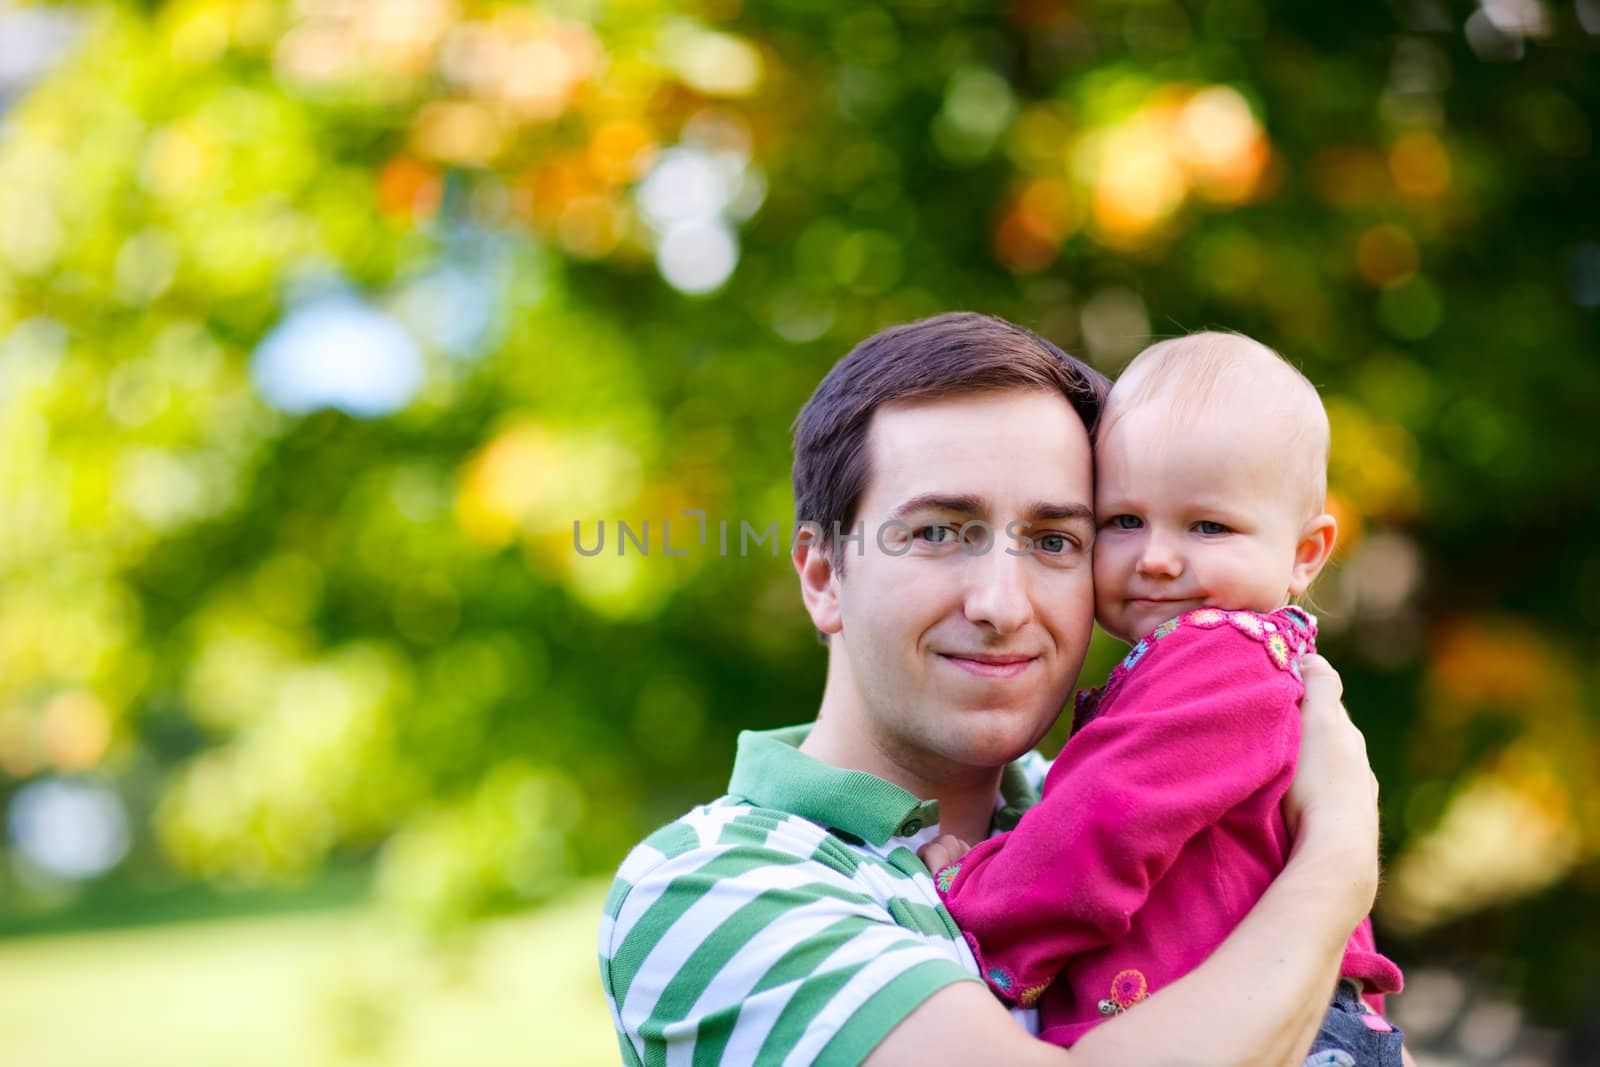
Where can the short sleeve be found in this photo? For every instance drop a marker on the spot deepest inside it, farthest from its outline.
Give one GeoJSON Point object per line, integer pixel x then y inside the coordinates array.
{"type": "Point", "coordinates": [743, 953]}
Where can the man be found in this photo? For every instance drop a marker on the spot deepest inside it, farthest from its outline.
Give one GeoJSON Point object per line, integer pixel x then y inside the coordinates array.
{"type": "Point", "coordinates": [791, 920]}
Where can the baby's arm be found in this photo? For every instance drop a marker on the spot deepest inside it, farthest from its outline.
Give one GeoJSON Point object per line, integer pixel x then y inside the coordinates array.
{"type": "Point", "coordinates": [1205, 723]}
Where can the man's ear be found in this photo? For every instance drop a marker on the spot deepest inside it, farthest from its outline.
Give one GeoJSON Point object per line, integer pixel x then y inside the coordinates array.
{"type": "Point", "coordinates": [819, 584]}
{"type": "Point", "coordinates": [1312, 552]}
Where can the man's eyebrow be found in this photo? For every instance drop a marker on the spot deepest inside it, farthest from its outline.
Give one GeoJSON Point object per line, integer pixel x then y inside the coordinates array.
{"type": "Point", "coordinates": [958, 503]}
{"type": "Point", "coordinates": [1045, 511]}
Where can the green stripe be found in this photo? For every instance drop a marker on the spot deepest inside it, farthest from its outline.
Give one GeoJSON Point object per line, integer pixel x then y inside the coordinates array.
{"type": "Point", "coordinates": [832, 854]}
{"type": "Point", "coordinates": [750, 828]}
{"type": "Point", "coordinates": [813, 995]}
{"type": "Point", "coordinates": [681, 894]}
{"type": "Point", "coordinates": [717, 1029]}
{"type": "Point", "coordinates": [674, 839]}
{"type": "Point", "coordinates": [630, 1058]}
{"type": "Point", "coordinates": [920, 917]}
{"type": "Point", "coordinates": [869, 1024]}
{"type": "Point", "coordinates": [614, 899]}
{"type": "Point", "coordinates": [906, 863]}
{"type": "Point", "coordinates": [730, 936]}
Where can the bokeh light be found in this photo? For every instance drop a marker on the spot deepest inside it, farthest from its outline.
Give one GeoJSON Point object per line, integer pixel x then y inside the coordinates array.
{"type": "Point", "coordinates": [71, 828]}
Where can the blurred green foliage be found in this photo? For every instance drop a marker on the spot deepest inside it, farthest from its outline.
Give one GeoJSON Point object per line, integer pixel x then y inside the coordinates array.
{"type": "Point", "coordinates": [286, 635]}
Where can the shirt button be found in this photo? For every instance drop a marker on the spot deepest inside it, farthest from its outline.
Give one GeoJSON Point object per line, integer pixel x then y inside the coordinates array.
{"type": "Point", "coordinates": [910, 827]}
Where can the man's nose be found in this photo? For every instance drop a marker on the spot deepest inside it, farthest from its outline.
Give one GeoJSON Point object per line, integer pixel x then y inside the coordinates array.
{"type": "Point", "coordinates": [999, 593]}
{"type": "Point", "coordinates": [1160, 557]}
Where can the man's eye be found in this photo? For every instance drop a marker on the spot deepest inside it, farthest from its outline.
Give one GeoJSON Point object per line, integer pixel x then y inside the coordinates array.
{"type": "Point", "coordinates": [1206, 526]}
{"type": "Point", "coordinates": [1125, 522]}
{"type": "Point", "coordinates": [936, 535]}
{"type": "Point", "coordinates": [1054, 543]}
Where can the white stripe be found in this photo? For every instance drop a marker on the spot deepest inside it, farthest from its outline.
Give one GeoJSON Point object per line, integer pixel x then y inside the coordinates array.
{"type": "Point", "coordinates": [708, 824]}
{"type": "Point", "coordinates": [685, 936]}
{"type": "Point", "coordinates": [681, 1053]}
{"type": "Point", "coordinates": [607, 924]}
{"type": "Point", "coordinates": [651, 886]}
{"type": "Point", "coordinates": [734, 983]}
{"type": "Point", "coordinates": [756, 1020]}
{"type": "Point", "coordinates": [849, 999]}
{"type": "Point", "coordinates": [879, 971]}
{"type": "Point", "coordinates": [801, 837]}
{"type": "Point", "coordinates": [753, 1027]}
{"type": "Point", "coordinates": [640, 860]}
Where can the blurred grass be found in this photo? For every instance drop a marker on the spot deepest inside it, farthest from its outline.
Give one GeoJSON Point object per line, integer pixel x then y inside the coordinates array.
{"type": "Point", "coordinates": [332, 989]}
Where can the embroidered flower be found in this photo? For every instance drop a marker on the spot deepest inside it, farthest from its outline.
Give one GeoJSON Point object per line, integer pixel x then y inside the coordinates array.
{"type": "Point", "coordinates": [1030, 996]}
{"type": "Point", "coordinates": [1166, 628]}
{"type": "Point", "coordinates": [1278, 649]}
{"type": "Point", "coordinates": [1206, 617]}
{"type": "Point", "coordinates": [1001, 979]}
{"type": "Point", "coordinates": [946, 877]}
{"type": "Point", "coordinates": [1135, 655]}
{"type": "Point", "coordinates": [1127, 989]}
{"type": "Point", "coordinates": [1246, 622]}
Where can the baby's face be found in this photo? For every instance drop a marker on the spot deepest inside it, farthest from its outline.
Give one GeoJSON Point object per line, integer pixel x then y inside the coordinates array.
{"type": "Point", "coordinates": [1199, 515]}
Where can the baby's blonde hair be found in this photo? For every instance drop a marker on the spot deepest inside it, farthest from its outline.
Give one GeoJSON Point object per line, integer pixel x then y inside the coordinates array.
{"type": "Point", "coordinates": [1229, 375]}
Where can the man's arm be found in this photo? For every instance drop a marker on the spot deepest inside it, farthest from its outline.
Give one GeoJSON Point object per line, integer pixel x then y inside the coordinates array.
{"type": "Point", "coordinates": [1278, 968]}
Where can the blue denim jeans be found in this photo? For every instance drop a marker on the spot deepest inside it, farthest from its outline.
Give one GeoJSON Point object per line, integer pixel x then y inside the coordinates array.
{"type": "Point", "coordinates": [1353, 1035]}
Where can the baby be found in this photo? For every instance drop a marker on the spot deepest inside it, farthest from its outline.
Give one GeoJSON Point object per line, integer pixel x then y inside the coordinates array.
{"type": "Point", "coordinates": [1160, 823]}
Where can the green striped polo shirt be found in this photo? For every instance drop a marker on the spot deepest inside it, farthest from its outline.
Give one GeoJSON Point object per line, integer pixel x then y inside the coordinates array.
{"type": "Point", "coordinates": [789, 921]}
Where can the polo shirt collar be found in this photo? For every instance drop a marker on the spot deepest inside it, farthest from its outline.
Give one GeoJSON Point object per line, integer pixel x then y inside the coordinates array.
{"type": "Point", "coordinates": [770, 771]}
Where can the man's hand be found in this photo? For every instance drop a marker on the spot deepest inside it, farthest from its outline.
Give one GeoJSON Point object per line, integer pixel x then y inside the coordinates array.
{"type": "Point", "coordinates": [942, 851]}
{"type": "Point", "coordinates": [1332, 804]}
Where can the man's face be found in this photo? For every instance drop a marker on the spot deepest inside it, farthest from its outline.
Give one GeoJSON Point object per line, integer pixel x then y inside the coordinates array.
{"type": "Point", "coordinates": [963, 653]}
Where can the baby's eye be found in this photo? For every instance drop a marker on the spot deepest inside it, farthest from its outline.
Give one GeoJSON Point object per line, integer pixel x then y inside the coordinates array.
{"type": "Point", "coordinates": [1206, 526]}
{"type": "Point", "coordinates": [937, 534]}
{"type": "Point", "coordinates": [1125, 522]}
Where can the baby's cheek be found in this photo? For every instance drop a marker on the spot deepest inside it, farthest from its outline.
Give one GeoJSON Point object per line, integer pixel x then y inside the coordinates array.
{"type": "Point", "coordinates": [1106, 581]}
{"type": "Point", "coordinates": [1104, 564]}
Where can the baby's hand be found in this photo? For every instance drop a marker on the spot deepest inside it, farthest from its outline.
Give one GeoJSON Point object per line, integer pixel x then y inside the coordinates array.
{"type": "Point", "coordinates": [942, 851]}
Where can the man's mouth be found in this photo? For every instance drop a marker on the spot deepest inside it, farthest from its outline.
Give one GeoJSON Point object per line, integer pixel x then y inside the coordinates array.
{"type": "Point", "coordinates": [989, 665]}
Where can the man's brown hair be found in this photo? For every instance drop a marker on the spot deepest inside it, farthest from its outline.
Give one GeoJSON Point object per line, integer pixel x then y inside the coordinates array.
{"type": "Point", "coordinates": [956, 353]}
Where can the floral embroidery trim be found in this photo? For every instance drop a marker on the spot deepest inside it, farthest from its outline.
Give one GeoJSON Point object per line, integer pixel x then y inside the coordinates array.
{"type": "Point", "coordinates": [946, 877]}
{"type": "Point", "coordinates": [1283, 635]}
{"type": "Point", "coordinates": [1030, 996]}
{"type": "Point", "coordinates": [1127, 989]}
{"type": "Point", "coordinates": [1006, 984]}
{"type": "Point", "coordinates": [1278, 649]}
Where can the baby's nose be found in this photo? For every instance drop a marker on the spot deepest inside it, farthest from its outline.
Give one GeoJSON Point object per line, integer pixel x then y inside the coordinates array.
{"type": "Point", "coordinates": [1158, 559]}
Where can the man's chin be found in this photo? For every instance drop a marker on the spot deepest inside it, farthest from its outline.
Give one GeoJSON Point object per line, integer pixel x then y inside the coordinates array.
{"type": "Point", "coordinates": [993, 737]}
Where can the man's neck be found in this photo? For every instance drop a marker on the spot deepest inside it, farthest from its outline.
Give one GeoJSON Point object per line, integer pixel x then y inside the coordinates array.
{"type": "Point", "coordinates": [843, 738]}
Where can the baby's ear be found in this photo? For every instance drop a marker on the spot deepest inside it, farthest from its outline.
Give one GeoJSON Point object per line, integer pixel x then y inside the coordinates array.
{"type": "Point", "coordinates": [1312, 552]}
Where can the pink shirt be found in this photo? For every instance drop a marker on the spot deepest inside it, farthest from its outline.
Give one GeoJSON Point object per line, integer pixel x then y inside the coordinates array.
{"type": "Point", "coordinates": [1158, 829]}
